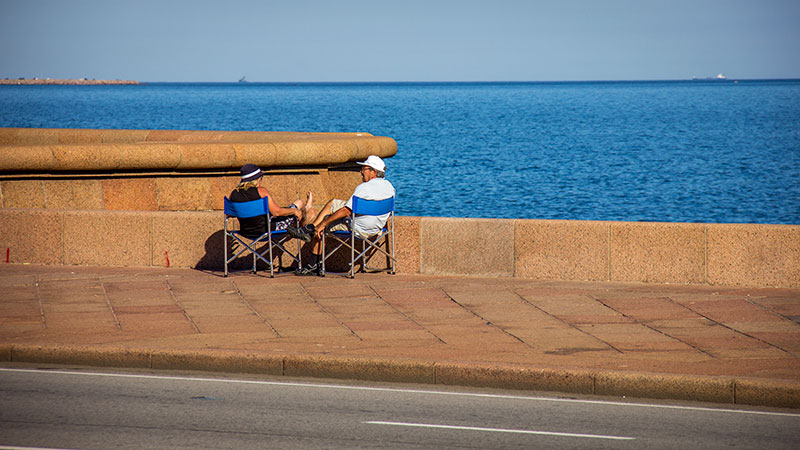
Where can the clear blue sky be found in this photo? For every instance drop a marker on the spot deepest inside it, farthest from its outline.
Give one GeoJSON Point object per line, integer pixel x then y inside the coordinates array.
{"type": "Point", "coordinates": [399, 40]}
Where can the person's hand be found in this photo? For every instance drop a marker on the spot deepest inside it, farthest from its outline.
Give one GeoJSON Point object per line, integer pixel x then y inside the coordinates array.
{"type": "Point", "coordinates": [318, 232]}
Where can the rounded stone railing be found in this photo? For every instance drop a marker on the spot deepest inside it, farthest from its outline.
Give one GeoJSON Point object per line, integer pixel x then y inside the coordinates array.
{"type": "Point", "coordinates": [24, 150]}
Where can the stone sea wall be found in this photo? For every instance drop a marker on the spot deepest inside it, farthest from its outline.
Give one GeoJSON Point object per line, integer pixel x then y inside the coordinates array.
{"type": "Point", "coordinates": [153, 198]}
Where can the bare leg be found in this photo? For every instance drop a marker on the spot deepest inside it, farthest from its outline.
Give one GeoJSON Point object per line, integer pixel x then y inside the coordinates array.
{"type": "Point", "coordinates": [309, 214]}
{"type": "Point", "coordinates": [326, 210]}
{"type": "Point", "coordinates": [300, 206]}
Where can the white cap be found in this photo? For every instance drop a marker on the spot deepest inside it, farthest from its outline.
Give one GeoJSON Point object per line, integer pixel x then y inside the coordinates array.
{"type": "Point", "coordinates": [375, 162]}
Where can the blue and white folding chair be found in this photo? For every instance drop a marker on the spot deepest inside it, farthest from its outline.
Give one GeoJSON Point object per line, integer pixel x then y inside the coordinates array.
{"type": "Point", "coordinates": [369, 245]}
{"type": "Point", "coordinates": [272, 239]}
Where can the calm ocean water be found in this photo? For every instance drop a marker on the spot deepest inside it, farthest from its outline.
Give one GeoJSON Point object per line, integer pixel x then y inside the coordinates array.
{"type": "Point", "coordinates": [689, 151]}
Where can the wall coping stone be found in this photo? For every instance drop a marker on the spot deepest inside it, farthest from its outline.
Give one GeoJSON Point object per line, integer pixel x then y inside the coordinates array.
{"type": "Point", "coordinates": [45, 150]}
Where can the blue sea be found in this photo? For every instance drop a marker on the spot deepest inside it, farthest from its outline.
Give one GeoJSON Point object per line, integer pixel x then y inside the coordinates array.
{"type": "Point", "coordinates": [673, 151]}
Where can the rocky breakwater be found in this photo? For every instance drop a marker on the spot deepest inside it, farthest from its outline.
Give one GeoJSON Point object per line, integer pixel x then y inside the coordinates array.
{"type": "Point", "coordinates": [63, 81]}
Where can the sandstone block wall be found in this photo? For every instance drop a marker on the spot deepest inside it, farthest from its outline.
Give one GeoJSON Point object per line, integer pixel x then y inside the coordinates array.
{"type": "Point", "coordinates": [714, 254]}
{"type": "Point", "coordinates": [153, 198]}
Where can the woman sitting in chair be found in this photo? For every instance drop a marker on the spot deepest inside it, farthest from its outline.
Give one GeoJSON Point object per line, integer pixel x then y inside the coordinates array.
{"type": "Point", "coordinates": [250, 188]}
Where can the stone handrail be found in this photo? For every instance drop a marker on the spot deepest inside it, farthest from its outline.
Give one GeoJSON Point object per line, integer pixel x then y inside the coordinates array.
{"type": "Point", "coordinates": [24, 150]}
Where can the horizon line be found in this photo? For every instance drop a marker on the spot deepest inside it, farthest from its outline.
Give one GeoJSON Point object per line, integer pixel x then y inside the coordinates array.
{"type": "Point", "coordinates": [479, 81]}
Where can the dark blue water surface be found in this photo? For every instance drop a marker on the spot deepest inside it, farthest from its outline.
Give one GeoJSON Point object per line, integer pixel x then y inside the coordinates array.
{"type": "Point", "coordinates": [656, 151]}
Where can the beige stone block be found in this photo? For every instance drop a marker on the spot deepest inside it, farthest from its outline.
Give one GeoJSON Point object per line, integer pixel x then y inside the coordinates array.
{"type": "Point", "coordinates": [203, 136]}
{"type": "Point", "coordinates": [137, 194]}
{"type": "Point", "coordinates": [183, 193]}
{"type": "Point", "coordinates": [9, 136]}
{"type": "Point", "coordinates": [73, 136]}
{"type": "Point", "coordinates": [85, 157]}
{"type": "Point", "coordinates": [657, 252]}
{"type": "Point", "coordinates": [754, 255]}
{"type": "Point", "coordinates": [188, 239]}
{"type": "Point", "coordinates": [5, 352]}
{"type": "Point", "coordinates": [29, 136]}
{"type": "Point", "coordinates": [217, 361]}
{"type": "Point", "coordinates": [221, 187]}
{"type": "Point", "coordinates": [382, 146]}
{"type": "Point", "coordinates": [407, 244]}
{"type": "Point", "coordinates": [514, 377]}
{"type": "Point", "coordinates": [26, 158]}
{"type": "Point", "coordinates": [148, 156]}
{"type": "Point", "coordinates": [676, 387]}
{"type": "Point", "coordinates": [342, 183]}
{"type": "Point", "coordinates": [22, 193]}
{"type": "Point", "coordinates": [31, 236]}
{"type": "Point", "coordinates": [123, 136]}
{"type": "Point", "coordinates": [450, 246]}
{"type": "Point", "coordinates": [309, 182]}
{"type": "Point", "coordinates": [295, 153]}
{"type": "Point", "coordinates": [165, 135]}
{"type": "Point", "coordinates": [107, 238]}
{"type": "Point", "coordinates": [262, 154]}
{"type": "Point", "coordinates": [323, 150]}
{"type": "Point", "coordinates": [282, 188]}
{"type": "Point", "coordinates": [777, 393]}
{"type": "Point", "coordinates": [392, 370]}
{"type": "Point", "coordinates": [73, 194]}
{"type": "Point", "coordinates": [561, 249]}
{"type": "Point", "coordinates": [206, 156]}
{"type": "Point", "coordinates": [84, 356]}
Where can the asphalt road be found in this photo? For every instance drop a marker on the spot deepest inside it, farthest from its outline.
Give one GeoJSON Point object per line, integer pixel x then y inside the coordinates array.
{"type": "Point", "coordinates": [91, 409]}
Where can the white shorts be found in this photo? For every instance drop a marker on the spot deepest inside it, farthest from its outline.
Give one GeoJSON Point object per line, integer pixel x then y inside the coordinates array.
{"type": "Point", "coordinates": [343, 224]}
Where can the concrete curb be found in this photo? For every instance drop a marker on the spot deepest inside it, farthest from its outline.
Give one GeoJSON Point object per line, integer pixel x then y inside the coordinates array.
{"type": "Point", "coordinates": [775, 393]}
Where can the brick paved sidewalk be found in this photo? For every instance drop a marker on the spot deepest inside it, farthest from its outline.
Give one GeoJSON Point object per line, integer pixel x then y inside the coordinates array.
{"type": "Point", "coordinates": [638, 328]}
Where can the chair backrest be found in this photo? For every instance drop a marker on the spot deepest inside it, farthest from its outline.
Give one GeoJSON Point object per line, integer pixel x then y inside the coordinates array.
{"type": "Point", "coordinates": [244, 210]}
{"type": "Point", "coordinates": [372, 207]}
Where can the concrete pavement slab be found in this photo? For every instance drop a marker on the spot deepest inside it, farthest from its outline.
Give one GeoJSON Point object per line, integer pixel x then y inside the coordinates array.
{"type": "Point", "coordinates": [654, 340]}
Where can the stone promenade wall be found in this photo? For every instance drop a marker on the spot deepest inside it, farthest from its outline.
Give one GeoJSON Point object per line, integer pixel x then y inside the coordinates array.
{"type": "Point", "coordinates": [152, 198]}
{"type": "Point", "coordinates": [715, 254]}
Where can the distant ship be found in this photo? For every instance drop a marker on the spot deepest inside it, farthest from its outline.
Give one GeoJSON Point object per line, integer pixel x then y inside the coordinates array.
{"type": "Point", "coordinates": [718, 77]}
{"type": "Point", "coordinates": [242, 80]}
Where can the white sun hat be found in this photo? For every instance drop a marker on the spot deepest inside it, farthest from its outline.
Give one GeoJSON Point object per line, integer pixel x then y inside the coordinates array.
{"type": "Point", "coordinates": [375, 162]}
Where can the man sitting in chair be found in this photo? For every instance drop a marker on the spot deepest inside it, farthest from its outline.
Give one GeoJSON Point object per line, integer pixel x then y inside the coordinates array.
{"type": "Point", "coordinates": [337, 213]}
{"type": "Point", "coordinates": [250, 188]}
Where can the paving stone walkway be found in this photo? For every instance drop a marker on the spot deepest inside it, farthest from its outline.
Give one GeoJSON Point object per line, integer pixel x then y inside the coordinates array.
{"type": "Point", "coordinates": [664, 329]}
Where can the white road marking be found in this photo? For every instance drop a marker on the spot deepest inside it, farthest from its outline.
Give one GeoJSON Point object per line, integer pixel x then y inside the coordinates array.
{"type": "Point", "coordinates": [501, 430]}
{"type": "Point", "coordinates": [398, 390]}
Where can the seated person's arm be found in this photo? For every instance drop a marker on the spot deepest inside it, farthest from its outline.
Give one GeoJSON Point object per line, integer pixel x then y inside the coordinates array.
{"type": "Point", "coordinates": [329, 219]}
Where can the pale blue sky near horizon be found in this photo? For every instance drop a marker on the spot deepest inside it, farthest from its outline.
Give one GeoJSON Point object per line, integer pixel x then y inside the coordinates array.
{"type": "Point", "coordinates": [410, 40]}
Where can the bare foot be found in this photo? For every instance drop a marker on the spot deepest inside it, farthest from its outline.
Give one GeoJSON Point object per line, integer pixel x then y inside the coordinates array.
{"type": "Point", "coordinates": [309, 201]}
{"type": "Point", "coordinates": [309, 213]}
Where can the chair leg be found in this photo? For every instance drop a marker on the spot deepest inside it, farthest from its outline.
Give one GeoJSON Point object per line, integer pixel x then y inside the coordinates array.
{"type": "Point", "coordinates": [391, 258]}
{"type": "Point", "coordinates": [352, 254]}
{"type": "Point", "coordinates": [225, 248]}
{"type": "Point", "coordinates": [271, 260]}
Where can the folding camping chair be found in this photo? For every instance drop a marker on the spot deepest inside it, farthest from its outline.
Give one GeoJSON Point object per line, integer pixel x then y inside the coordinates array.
{"type": "Point", "coordinates": [273, 239]}
{"type": "Point", "coordinates": [369, 245]}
